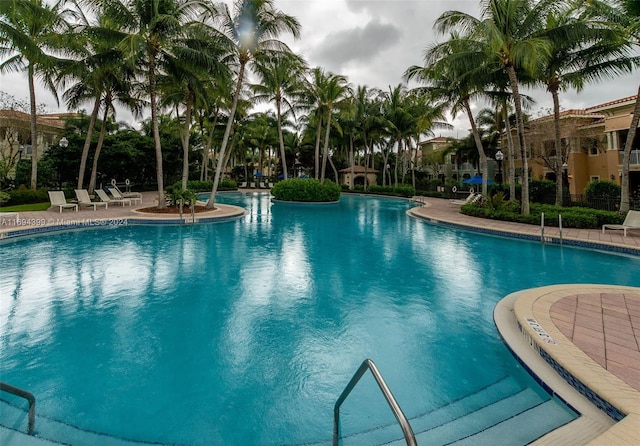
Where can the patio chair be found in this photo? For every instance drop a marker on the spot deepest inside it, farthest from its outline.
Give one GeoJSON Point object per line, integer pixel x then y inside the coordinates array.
{"type": "Point", "coordinates": [105, 198]}
{"type": "Point", "coordinates": [56, 197]}
{"type": "Point", "coordinates": [243, 185]}
{"type": "Point", "coordinates": [469, 199]}
{"type": "Point", "coordinates": [270, 185]}
{"type": "Point", "coordinates": [118, 196]}
{"type": "Point", "coordinates": [262, 186]}
{"type": "Point", "coordinates": [252, 185]}
{"type": "Point", "coordinates": [631, 221]}
{"type": "Point", "coordinates": [128, 194]}
{"type": "Point", "coordinates": [84, 200]}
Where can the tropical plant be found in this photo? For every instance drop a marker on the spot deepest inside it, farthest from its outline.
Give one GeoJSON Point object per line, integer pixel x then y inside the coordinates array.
{"type": "Point", "coordinates": [252, 29]}
{"type": "Point", "coordinates": [32, 33]}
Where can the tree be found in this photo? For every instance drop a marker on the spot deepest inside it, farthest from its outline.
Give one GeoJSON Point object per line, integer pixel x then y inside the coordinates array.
{"type": "Point", "coordinates": [509, 33]}
{"type": "Point", "coordinates": [252, 29]}
{"type": "Point", "coordinates": [30, 31]}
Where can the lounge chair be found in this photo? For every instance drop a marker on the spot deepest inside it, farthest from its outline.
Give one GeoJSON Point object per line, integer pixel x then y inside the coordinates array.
{"type": "Point", "coordinates": [262, 186]}
{"type": "Point", "coordinates": [127, 194]}
{"type": "Point", "coordinates": [270, 185]}
{"type": "Point", "coordinates": [84, 200]}
{"type": "Point", "coordinates": [118, 196]}
{"type": "Point", "coordinates": [56, 197]}
{"type": "Point", "coordinates": [631, 221]}
{"type": "Point", "coordinates": [470, 199]}
{"type": "Point", "coordinates": [105, 198]}
{"type": "Point", "coordinates": [243, 185]}
{"type": "Point", "coordinates": [252, 185]}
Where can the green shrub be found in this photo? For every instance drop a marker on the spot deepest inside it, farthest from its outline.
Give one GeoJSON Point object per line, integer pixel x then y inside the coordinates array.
{"type": "Point", "coordinates": [25, 196]}
{"type": "Point", "coordinates": [572, 217]}
{"type": "Point", "coordinates": [602, 188]}
{"type": "Point", "coordinates": [307, 190]}
{"type": "Point", "coordinates": [4, 197]}
{"type": "Point", "coordinates": [402, 190]}
{"type": "Point", "coordinates": [542, 191]}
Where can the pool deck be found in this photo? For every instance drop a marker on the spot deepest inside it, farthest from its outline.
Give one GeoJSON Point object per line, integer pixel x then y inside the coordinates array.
{"type": "Point", "coordinates": [581, 341]}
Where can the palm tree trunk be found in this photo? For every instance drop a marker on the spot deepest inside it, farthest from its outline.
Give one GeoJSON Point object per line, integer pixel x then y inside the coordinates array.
{"type": "Point", "coordinates": [352, 163]}
{"type": "Point", "coordinates": [317, 152]}
{"type": "Point", "coordinates": [333, 167]}
{"type": "Point", "coordinates": [395, 170]}
{"type": "Point", "coordinates": [325, 150]}
{"type": "Point", "coordinates": [478, 141]}
{"type": "Point", "coordinates": [512, 155]}
{"type": "Point", "coordinates": [156, 132]}
{"type": "Point", "coordinates": [33, 128]}
{"type": "Point", "coordinates": [517, 100]}
{"type": "Point", "coordinates": [225, 138]}
{"type": "Point", "coordinates": [185, 142]}
{"type": "Point", "coordinates": [557, 166]}
{"type": "Point", "coordinates": [87, 141]}
{"type": "Point", "coordinates": [626, 155]}
{"type": "Point", "coordinates": [96, 155]}
{"type": "Point", "coordinates": [281, 140]}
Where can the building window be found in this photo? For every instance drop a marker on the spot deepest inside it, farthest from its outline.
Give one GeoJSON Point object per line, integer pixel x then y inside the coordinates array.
{"type": "Point", "coordinates": [595, 178]}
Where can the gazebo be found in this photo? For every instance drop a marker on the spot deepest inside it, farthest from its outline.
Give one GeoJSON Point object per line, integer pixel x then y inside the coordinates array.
{"type": "Point", "coordinates": [356, 175]}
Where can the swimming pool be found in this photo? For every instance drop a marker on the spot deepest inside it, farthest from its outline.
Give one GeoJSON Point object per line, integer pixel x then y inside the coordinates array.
{"type": "Point", "coordinates": [246, 332]}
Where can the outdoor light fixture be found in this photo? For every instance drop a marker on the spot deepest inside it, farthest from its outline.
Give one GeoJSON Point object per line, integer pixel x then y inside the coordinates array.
{"type": "Point", "coordinates": [64, 142]}
{"type": "Point", "coordinates": [499, 158]}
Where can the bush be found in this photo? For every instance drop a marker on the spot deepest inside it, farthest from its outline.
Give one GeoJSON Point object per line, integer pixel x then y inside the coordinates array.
{"type": "Point", "coordinates": [574, 217]}
{"type": "Point", "coordinates": [602, 188]}
{"type": "Point", "coordinates": [402, 190]}
{"type": "Point", "coordinates": [542, 191]}
{"type": "Point", "coordinates": [23, 195]}
{"type": "Point", "coordinates": [306, 190]}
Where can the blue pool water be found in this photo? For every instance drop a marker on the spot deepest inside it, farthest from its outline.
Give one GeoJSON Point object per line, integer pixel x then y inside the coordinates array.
{"type": "Point", "coordinates": [246, 332]}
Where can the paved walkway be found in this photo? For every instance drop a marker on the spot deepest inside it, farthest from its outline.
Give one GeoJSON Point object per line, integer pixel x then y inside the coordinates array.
{"type": "Point", "coordinates": [594, 329]}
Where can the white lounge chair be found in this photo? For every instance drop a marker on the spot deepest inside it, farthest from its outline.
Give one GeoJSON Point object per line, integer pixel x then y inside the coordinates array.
{"type": "Point", "coordinates": [105, 198]}
{"type": "Point", "coordinates": [118, 196]}
{"type": "Point", "coordinates": [261, 185]}
{"type": "Point", "coordinates": [252, 185]}
{"type": "Point", "coordinates": [243, 185]}
{"type": "Point", "coordinates": [270, 185]}
{"type": "Point", "coordinates": [56, 197]}
{"type": "Point", "coordinates": [631, 221]}
{"type": "Point", "coordinates": [84, 200]}
{"type": "Point", "coordinates": [469, 199]}
{"type": "Point", "coordinates": [127, 194]}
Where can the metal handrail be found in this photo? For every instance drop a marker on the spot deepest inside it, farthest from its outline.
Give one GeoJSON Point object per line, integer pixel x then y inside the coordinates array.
{"type": "Point", "coordinates": [393, 404]}
{"type": "Point", "coordinates": [26, 395]}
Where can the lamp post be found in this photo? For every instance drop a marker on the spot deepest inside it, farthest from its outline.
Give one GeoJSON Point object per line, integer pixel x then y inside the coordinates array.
{"type": "Point", "coordinates": [565, 183]}
{"type": "Point", "coordinates": [499, 158]}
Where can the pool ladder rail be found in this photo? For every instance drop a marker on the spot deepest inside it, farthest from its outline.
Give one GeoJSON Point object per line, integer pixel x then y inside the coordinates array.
{"type": "Point", "coordinates": [27, 396]}
{"type": "Point", "coordinates": [368, 364]}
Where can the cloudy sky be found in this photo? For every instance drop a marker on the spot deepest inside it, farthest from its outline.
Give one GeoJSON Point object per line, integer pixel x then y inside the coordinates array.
{"type": "Point", "coordinates": [373, 42]}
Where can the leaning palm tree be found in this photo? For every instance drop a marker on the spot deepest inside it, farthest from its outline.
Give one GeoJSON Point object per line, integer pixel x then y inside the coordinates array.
{"type": "Point", "coordinates": [509, 30]}
{"type": "Point", "coordinates": [30, 32]}
{"type": "Point", "coordinates": [151, 35]}
{"type": "Point", "coordinates": [281, 83]}
{"type": "Point", "coordinates": [252, 29]}
{"type": "Point", "coordinates": [583, 49]}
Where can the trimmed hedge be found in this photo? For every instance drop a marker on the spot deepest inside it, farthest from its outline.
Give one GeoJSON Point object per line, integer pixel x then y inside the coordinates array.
{"type": "Point", "coordinates": [402, 190]}
{"type": "Point", "coordinates": [573, 217]}
{"type": "Point", "coordinates": [306, 190]}
{"type": "Point", "coordinates": [27, 196]}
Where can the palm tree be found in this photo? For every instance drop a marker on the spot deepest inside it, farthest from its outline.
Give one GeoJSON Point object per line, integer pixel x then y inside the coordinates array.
{"type": "Point", "coordinates": [582, 50]}
{"type": "Point", "coordinates": [252, 29]}
{"type": "Point", "coordinates": [29, 31]}
{"type": "Point", "coordinates": [152, 34]}
{"type": "Point", "coordinates": [281, 79]}
{"type": "Point", "coordinates": [456, 72]}
{"type": "Point", "coordinates": [509, 31]}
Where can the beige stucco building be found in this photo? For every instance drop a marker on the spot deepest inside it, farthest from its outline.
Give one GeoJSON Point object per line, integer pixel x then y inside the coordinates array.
{"type": "Point", "coordinates": [356, 176]}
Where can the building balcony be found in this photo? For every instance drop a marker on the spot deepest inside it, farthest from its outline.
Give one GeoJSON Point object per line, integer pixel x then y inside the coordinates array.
{"type": "Point", "coordinates": [634, 158]}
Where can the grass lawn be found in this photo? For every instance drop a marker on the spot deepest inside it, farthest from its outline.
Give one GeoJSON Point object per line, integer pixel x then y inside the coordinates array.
{"type": "Point", "coordinates": [26, 207]}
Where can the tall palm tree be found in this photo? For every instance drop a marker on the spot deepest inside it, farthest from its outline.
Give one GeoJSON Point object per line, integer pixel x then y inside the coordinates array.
{"type": "Point", "coordinates": [252, 29]}
{"type": "Point", "coordinates": [455, 73]}
{"type": "Point", "coordinates": [152, 33]}
{"type": "Point", "coordinates": [509, 30]}
{"type": "Point", "coordinates": [281, 83]}
{"type": "Point", "coordinates": [31, 32]}
{"type": "Point", "coordinates": [582, 50]}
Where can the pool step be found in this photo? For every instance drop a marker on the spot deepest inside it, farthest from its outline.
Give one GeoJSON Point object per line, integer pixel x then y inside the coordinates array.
{"type": "Point", "coordinates": [48, 431]}
{"type": "Point", "coordinates": [497, 411]}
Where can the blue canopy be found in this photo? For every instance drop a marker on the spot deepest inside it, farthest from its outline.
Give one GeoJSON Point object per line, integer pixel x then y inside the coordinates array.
{"type": "Point", "coordinates": [476, 179]}
{"type": "Point", "coordinates": [258, 174]}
